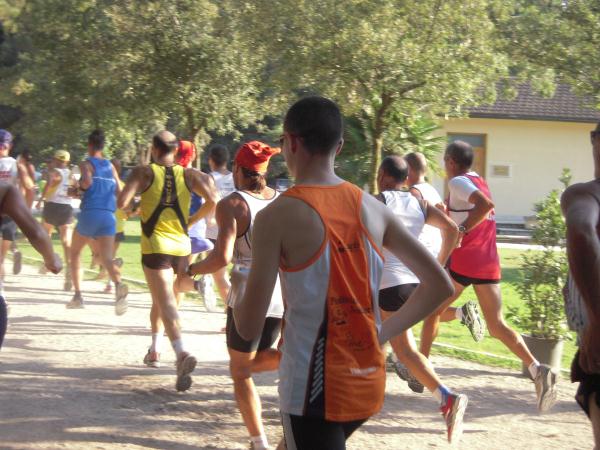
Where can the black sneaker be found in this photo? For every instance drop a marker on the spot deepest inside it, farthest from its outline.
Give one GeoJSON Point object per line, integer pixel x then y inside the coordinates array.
{"type": "Point", "coordinates": [76, 302]}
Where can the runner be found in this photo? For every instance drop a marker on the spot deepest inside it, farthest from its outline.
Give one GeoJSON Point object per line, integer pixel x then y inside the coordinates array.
{"type": "Point", "coordinates": [165, 203]}
{"type": "Point", "coordinates": [218, 158]}
{"type": "Point", "coordinates": [581, 207]}
{"type": "Point", "coordinates": [235, 217]}
{"type": "Point", "coordinates": [326, 237]}
{"type": "Point", "coordinates": [58, 212]}
{"type": "Point", "coordinates": [476, 262]}
{"type": "Point", "coordinates": [398, 283]}
{"type": "Point", "coordinates": [96, 221]}
{"type": "Point", "coordinates": [431, 237]}
{"type": "Point", "coordinates": [14, 174]}
{"type": "Point", "coordinates": [13, 204]}
{"type": "Point", "coordinates": [27, 184]}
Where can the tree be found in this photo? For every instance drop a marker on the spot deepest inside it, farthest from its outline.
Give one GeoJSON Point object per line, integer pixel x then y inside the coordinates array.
{"type": "Point", "coordinates": [386, 61]}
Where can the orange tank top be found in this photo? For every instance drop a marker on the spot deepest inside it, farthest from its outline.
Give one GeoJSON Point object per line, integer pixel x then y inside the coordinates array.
{"type": "Point", "coordinates": [332, 365]}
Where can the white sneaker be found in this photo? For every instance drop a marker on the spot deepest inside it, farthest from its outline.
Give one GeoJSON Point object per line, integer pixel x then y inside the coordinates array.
{"type": "Point", "coordinates": [121, 299]}
{"type": "Point", "coordinates": [545, 387]}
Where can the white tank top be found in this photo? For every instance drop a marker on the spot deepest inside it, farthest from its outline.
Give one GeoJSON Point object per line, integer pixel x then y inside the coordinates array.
{"type": "Point", "coordinates": [408, 209]}
{"type": "Point", "coordinates": [242, 258]}
{"type": "Point", "coordinates": [225, 186]}
{"type": "Point", "coordinates": [431, 237]}
{"type": "Point", "coordinates": [8, 170]}
{"type": "Point", "coordinates": [60, 194]}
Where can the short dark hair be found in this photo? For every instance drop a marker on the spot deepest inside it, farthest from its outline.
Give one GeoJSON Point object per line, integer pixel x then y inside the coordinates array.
{"type": "Point", "coordinates": [257, 180]}
{"type": "Point", "coordinates": [96, 139]}
{"type": "Point", "coordinates": [461, 153]}
{"type": "Point", "coordinates": [395, 167]}
{"type": "Point", "coordinates": [317, 121]}
{"type": "Point", "coordinates": [416, 161]}
{"type": "Point", "coordinates": [163, 145]}
{"type": "Point", "coordinates": [219, 154]}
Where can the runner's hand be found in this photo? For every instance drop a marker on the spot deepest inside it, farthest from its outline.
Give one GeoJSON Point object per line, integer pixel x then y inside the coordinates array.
{"type": "Point", "coordinates": [54, 265]}
{"type": "Point", "coordinates": [589, 352]}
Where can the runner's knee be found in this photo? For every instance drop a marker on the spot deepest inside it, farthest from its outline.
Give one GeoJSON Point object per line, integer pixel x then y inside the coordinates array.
{"type": "Point", "coordinates": [240, 370]}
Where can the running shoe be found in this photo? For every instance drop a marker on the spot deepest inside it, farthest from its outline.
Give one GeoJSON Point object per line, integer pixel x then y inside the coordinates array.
{"type": "Point", "coordinates": [204, 287]}
{"type": "Point", "coordinates": [403, 372]}
{"type": "Point", "coordinates": [17, 262]}
{"type": "Point", "coordinates": [185, 364]}
{"type": "Point", "coordinates": [545, 387]}
{"type": "Point", "coordinates": [43, 270]}
{"type": "Point", "coordinates": [68, 285]}
{"type": "Point", "coordinates": [121, 292]}
{"type": "Point", "coordinates": [108, 288]}
{"type": "Point", "coordinates": [453, 411]}
{"type": "Point", "coordinates": [152, 359]}
{"type": "Point", "coordinates": [76, 302]}
{"type": "Point", "coordinates": [472, 320]}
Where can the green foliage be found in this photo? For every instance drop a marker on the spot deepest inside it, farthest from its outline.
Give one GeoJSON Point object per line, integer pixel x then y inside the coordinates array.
{"type": "Point", "coordinates": [544, 273]}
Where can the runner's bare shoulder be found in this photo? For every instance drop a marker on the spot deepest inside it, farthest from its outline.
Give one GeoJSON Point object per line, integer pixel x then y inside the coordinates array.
{"type": "Point", "coordinates": [575, 191]}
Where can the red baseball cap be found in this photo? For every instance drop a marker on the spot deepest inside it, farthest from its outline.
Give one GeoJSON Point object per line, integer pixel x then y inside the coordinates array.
{"type": "Point", "coordinates": [185, 152]}
{"type": "Point", "coordinates": [255, 155]}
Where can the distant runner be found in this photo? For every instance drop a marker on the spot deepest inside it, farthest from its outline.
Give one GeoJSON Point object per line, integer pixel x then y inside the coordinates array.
{"type": "Point", "coordinates": [165, 189]}
{"type": "Point", "coordinates": [476, 262]}
{"type": "Point", "coordinates": [326, 236]}
{"type": "Point", "coordinates": [96, 221]}
{"type": "Point", "coordinates": [235, 217]}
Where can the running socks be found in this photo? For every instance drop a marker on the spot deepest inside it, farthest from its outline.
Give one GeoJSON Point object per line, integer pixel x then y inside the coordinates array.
{"type": "Point", "coordinates": [441, 394]}
{"type": "Point", "coordinates": [178, 346]}
{"type": "Point", "coordinates": [259, 442]}
{"type": "Point", "coordinates": [534, 367]}
{"type": "Point", "coordinates": [157, 339]}
{"type": "Point", "coordinates": [458, 313]}
{"type": "Point", "coordinates": [3, 320]}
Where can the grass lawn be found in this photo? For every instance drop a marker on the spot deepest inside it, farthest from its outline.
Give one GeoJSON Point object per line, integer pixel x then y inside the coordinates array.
{"type": "Point", "coordinates": [452, 333]}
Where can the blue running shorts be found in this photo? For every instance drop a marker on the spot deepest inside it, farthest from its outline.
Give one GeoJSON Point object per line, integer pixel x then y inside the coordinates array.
{"type": "Point", "coordinates": [96, 223]}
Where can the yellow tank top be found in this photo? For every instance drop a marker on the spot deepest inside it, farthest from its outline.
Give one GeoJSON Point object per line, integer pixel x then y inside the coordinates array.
{"type": "Point", "coordinates": [165, 212]}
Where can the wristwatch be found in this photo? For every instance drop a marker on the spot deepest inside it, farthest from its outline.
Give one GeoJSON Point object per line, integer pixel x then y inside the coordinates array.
{"type": "Point", "coordinates": [462, 229]}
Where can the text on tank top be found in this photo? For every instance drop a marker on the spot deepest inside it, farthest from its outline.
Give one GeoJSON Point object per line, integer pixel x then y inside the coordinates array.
{"type": "Point", "coordinates": [332, 365]}
{"type": "Point", "coordinates": [407, 208]}
{"type": "Point", "coordinates": [102, 192]}
{"type": "Point", "coordinates": [8, 170]}
{"type": "Point", "coordinates": [165, 207]}
{"type": "Point", "coordinates": [430, 237]}
{"type": "Point", "coordinates": [242, 258]}
{"type": "Point", "coordinates": [477, 256]}
{"type": "Point", "coordinates": [60, 195]}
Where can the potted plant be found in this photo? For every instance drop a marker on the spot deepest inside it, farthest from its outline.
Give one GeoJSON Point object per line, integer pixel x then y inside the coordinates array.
{"type": "Point", "coordinates": [543, 275]}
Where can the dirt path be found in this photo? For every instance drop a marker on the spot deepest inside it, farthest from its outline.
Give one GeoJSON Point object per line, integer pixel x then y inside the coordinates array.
{"type": "Point", "coordinates": [73, 379]}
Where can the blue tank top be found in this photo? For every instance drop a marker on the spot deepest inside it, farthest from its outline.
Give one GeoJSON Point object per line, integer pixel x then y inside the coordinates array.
{"type": "Point", "coordinates": [101, 194]}
{"type": "Point", "coordinates": [195, 204]}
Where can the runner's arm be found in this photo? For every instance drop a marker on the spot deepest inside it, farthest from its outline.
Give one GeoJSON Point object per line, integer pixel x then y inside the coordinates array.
{"type": "Point", "coordinates": [483, 206]}
{"type": "Point", "coordinates": [436, 218]}
{"type": "Point", "coordinates": [12, 203]}
{"type": "Point", "coordinates": [117, 179]}
{"type": "Point", "coordinates": [434, 287]}
{"type": "Point", "coordinates": [85, 168]}
{"type": "Point", "coordinates": [582, 212]}
{"type": "Point", "coordinates": [54, 179]}
{"type": "Point", "coordinates": [221, 255]}
{"type": "Point", "coordinates": [136, 182]}
{"type": "Point", "coordinates": [250, 312]}
{"type": "Point", "coordinates": [204, 186]}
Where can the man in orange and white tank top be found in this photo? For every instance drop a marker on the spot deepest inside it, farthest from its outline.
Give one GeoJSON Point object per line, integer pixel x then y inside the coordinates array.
{"type": "Point", "coordinates": [326, 239]}
{"type": "Point", "coordinates": [475, 262]}
{"type": "Point", "coordinates": [235, 216]}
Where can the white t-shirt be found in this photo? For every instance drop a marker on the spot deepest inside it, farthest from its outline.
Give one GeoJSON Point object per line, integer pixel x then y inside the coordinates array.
{"type": "Point", "coordinates": [8, 170]}
{"type": "Point", "coordinates": [431, 237]}
{"type": "Point", "coordinates": [225, 186]}
{"type": "Point", "coordinates": [460, 189]}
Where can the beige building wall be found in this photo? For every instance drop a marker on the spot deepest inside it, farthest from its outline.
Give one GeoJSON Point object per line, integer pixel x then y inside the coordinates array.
{"type": "Point", "coordinates": [534, 151]}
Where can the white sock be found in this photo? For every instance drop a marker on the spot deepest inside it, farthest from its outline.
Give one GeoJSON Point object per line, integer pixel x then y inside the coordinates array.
{"type": "Point", "coordinates": [178, 346]}
{"type": "Point", "coordinates": [458, 313]}
{"type": "Point", "coordinates": [260, 442]}
{"type": "Point", "coordinates": [157, 339]}
{"type": "Point", "coordinates": [533, 368]}
{"type": "Point", "coordinates": [441, 393]}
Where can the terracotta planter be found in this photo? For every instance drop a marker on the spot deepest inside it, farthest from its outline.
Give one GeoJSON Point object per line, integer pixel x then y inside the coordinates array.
{"type": "Point", "coordinates": [546, 351]}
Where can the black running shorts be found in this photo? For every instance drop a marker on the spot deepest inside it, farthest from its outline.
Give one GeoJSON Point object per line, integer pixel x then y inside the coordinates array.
{"type": "Point", "coordinates": [589, 384]}
{"type": "Point", "coordinates": [311, 433]}
{"type": "Point", "coordinates": [265, 341]}
{"type": "Point", "coordinates": [391, 299]}
{"type": "Point", "coordinates": [160, 261]}
{"type": "Point", "coordinates": [57, 214]}
{"type": "Point", "coordinates": [467, 281]}
{"type": "Point", "coordinates": [8, 228]}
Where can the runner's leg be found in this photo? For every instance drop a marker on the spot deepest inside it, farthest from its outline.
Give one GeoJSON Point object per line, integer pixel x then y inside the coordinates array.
{"type": "Point", "coordinates": [77, 244]}
{"type": "Point", "coordinates": [160, 283]}
{"type": "Point", "coordinates": [595, 418]}
{"type": "Point", "coordinates": [5, 246]}
{"type": "Point", "coordinates": [432, 323]}
{"type": "Point", "coordinates": [106, 249]}
{"type": "Point", "coordinates": [490, 300]}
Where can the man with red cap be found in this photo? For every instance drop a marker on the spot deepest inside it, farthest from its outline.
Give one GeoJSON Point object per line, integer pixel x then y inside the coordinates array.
{"type": "Point", "coordinates": [235, 216]}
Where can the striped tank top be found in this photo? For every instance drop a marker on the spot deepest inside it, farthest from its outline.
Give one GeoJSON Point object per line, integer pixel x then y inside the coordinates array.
{"type": "Point", "coordinates": [332, 365]}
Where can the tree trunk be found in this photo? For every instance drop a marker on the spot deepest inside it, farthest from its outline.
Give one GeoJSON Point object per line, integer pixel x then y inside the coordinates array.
{"type": "Point", "coordinates": [376, 150]}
